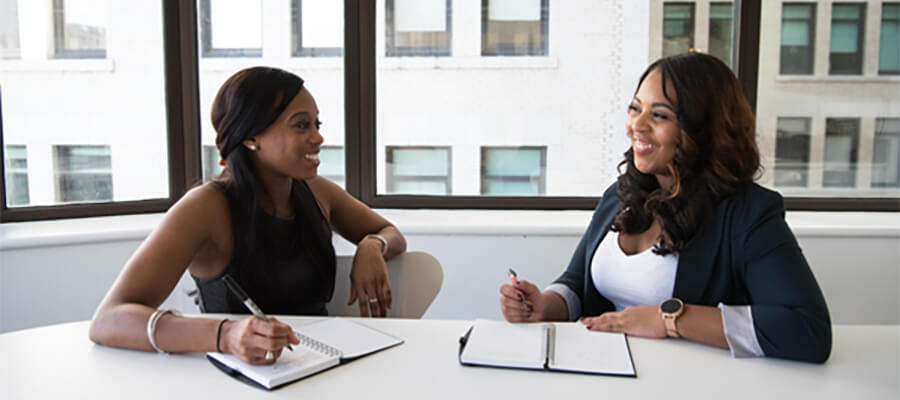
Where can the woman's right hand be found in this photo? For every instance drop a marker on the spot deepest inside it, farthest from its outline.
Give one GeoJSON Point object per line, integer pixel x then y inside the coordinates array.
{"type": "Point", "coordinates": [251, 338]}
{"type": "Point", "coordinates": [514, 309]}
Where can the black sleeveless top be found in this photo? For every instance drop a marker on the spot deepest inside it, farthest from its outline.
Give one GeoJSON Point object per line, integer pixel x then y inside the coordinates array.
{"type": "Point", "coordinates": [286, 266]}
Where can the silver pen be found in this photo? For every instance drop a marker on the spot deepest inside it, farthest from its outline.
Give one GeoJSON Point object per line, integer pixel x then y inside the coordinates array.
{"type": "Point", "coordinates": [513, 278]}
{"type": "Point", "coordinates": [233, 286]}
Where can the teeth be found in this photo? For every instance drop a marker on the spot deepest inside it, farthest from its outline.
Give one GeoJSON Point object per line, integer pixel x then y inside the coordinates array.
{"type": "Point", "coordinates": [641, 145]}
{"type": "Point", "coordinates": [314, 157]}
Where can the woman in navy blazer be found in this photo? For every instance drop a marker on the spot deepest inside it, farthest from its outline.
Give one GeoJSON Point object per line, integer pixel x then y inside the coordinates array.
{"type": "Point", "coordinates": [741, 281]}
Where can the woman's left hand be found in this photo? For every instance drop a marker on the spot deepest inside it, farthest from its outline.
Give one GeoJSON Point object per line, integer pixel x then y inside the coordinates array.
{"type": "Point", "coordinates": [643, 321]}
{"type": "Point", "coordinates": [369, 280]}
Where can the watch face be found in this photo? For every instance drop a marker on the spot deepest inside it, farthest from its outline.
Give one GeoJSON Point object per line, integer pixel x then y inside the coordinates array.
{"type": "Point", "coordinates": [670, 306]}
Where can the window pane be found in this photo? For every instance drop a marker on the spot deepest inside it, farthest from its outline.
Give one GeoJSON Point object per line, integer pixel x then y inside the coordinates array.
{"type": "Point", "coordinates": [819, 136]}
{"type": "Point", "coordinates": [570, 101]}
{"type": "Point", "coordinates": [80, 28]}
{"type": "Point", "coordinates": [318, 28]}
{"type": "Point", "coordinates": [513, 171]}
{"type": "Point", "coordinates": [678, 28]}
{"type": "Point", "coordinates": [418, 27]}
{"type": "Point", "coordinates": [306, 44]}
{"type": "Point", "coordinates": [846, 32]}
{"type": "Point", "coordinates": [94, 129]}
{"type": "Point", "coordinates": [9, 29]}
{"type": "Point", "coordinates": [83, 173]}
{"type": "Point", "coordinates": [889, 52]}
{"type": "Point", "coordinates": [792, 152]}
{"type": "Point", "coordinates": [16, 176]}
{"type": "Point", "coordinates": [418, 170]}
{"type": "Point", "coordinates": [514, 28]}
{"type": "Point", "coordinates": [230, 28]}
{"type": "Point", "coordinates": [886, 159]}
{"type": "Point", "coordinates": [797, 38]}
{"type": "Point", "coordinates": [720, 31]}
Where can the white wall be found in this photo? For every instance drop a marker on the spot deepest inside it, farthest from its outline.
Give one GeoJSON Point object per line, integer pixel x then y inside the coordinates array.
{"type": "Point", "coordinates": [58, 271]}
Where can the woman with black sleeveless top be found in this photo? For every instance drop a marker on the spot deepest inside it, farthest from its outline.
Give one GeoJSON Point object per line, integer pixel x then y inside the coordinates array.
{"type": "Point", "coordinates": [266, 221]}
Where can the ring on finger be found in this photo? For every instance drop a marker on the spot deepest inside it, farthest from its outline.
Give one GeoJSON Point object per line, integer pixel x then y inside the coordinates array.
{"type": "Point", "coordinates": [269, 355]}
{"type": "Point", "coordinates": [373, 300]}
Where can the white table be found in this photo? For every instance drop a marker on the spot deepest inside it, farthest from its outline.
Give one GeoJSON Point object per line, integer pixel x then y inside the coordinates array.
{"type": "Point", "coordinates": [60, 361]}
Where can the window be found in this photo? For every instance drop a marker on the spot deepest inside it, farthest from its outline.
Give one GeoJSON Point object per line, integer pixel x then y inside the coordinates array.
{"type": "Point", "coordinates": [16, 176]}
{"type": "Point", "coordinates": [230, 28]}
{"type": "Point", "coordinates": [418, 28]}
{"type": "Point", "coordinates": [889, 53]}
{"type": "Point", "coordinates": [792, 152]}
{"type": "Point", "coordinates": [80, 28]}
{"type": "Point", "coordinates": [211, 163]}
{"type": "Point", "coordinates": [720, 30]}
{"type": "Point", "coordinates": [317, 28]}
{"type": "Point", "coordinates": [841, 145]}
{"type": "Point", "coordinates": [513, 171]}
{"type": "Point", "coordinates": [847, 30]}
{"type": "Point", "coordinates": [9, 29]}
{"type": "Point", "coordinates": [83, 173]}
{"type": "Point", "coordinates": [332, 164]}
{"type": "Point", "coordinates": [678, 28]}
{"type": "Point", "coordinates": [798, 38]}
{"type": "Point", "coordinates": [886, 157]}
{"type": "Point", "coordinates": [418, 170]}
{"type": "Point", "coordinates": [514, 27]}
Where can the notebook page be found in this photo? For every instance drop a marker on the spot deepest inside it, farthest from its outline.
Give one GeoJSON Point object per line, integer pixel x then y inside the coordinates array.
{"type": "Point", "coordinates": [290, 365]}
{"type": "Point", "coordinates": [503, 344]}
{"type": "Point", "coordinates": [352, 338]}
{"type": "Point", "coordinates": [580, 350]}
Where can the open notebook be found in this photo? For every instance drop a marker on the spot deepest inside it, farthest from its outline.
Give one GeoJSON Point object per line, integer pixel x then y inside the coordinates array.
{"type": "Point", "coordinates": [565, 347]}
{"type": "Point", "coordinates": [323, 345]}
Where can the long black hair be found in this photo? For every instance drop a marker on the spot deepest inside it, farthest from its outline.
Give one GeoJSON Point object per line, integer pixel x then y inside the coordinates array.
{"type": "Point", "coordinates": [716, 153]}
{"type": "Point", "coordinates": [246, 104]}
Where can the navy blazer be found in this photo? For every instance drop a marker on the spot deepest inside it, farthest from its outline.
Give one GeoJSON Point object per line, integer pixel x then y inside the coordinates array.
{"type": "Point", "coordinates": [744, 255]}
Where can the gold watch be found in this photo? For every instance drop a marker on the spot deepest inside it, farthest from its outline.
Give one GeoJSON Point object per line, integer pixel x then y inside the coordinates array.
{"type": "Point", "coordinates": [670, 310]}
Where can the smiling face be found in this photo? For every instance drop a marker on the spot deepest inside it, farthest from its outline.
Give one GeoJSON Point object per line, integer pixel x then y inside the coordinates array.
{"type": "Point", "coordinates": [653, 128]}
{"type": "Point", "coordinates": [290, 146]}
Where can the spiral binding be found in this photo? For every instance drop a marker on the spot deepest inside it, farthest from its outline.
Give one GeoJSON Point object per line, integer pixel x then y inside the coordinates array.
{"type": "Point", "coordinates": [317, 345]}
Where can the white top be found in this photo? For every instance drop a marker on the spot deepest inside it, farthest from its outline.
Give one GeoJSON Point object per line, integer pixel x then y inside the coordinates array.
{"type": "Point", "coordinates": [632, 280]}
{"type": "Point", "coordinates": [647, 278]}
{"type": "Point", "coordinates": [59, 361]}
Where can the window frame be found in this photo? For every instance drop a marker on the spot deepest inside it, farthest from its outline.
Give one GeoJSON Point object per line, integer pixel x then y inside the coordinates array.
{"type": "Point", "coordinates": [860, 39]}
{"type": "Point", "coordinates": [391, 50]}
{"type": "Point", "coordinates": [390, 180]}
{"type": "Point", "coordinates": [205, 31]}
{"type": "Point", "coordinates": [731, 25]}
{"type": "Point", "coordinates": [485, 178]}
{"type": "Point", "coordinates": [59, 37]}
{"type": "Point", "coordinates": [878, 121]}
{"type": "Point", "coordinates": [691, 29]}
{"type": "Point", "coordinates": [880, 31]}
{"type": "Point", "coordinates": [811, 32]}
{"type": "Point", "coordinates": [180, 23]}
{"type": "Point", "coordinates": [545, 32]}
{"type": "Point", "coordinates": [298, 50]}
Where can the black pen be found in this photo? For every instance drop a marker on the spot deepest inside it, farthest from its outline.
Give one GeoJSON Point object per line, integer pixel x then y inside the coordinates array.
{"type": "Point", "coordinates": [233, 286]}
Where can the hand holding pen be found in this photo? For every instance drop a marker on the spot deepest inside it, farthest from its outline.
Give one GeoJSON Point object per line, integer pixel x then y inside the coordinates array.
{"type": "Point", "coordinates": [257, 340]}
{"type": "Point", "coordinates": [519, 299]}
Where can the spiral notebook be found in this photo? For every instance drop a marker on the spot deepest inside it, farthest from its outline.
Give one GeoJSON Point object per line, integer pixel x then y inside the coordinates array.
{"type": "Point", "coordinates": [323, 345]}
{"type": "Point", "coordinates": [562, 347]}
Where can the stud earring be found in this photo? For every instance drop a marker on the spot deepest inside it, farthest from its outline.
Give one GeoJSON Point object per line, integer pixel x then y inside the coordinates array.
{"type": "Point", "coordinates": [252, 147]}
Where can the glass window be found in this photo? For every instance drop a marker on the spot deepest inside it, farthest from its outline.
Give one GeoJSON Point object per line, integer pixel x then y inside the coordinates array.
{"type": "Point", "coordinates": [514, 27]}
{"type": "Point", "coordinates": [83, 173]}
{"type": "Point", "coordinates": [841, 146]}
{"type": "Point", "coordinates": [792, 152]}
{"type": "Point", "coordinates": [16, 176]}
{"type": "Point", "coordinates": [889, 53]}
{"type": "Point", "coordinates": [80, 28]}
{"type": "Point", "coordinates": [69, 115]}
{"type": "Point", "coordinates": [678, 28]}
{"type": "Point", "coordinates": [332, 164]}
{"type": "Point", "coordinates": [847, 30]}
{"type": "Point", "coordinates": [317, 28]}
{"type": "Point", "coordinates": [212, 166]}
{"type": "Point", "coordinates": [9, 29]}
{"type": "Point", "coordinates": [720, 30]}
{"type": "Point", "coordinates": [418, 28]}
{"type": "Point", "coordinates": [798, 38]}
{"type": "Point", "coordinates": [230, 28]}
{"type": "Point", "coordinates": [513, 171]}
{"type": "Point", "coordinates": [886, 157]}
{"type": "Point", "coordinates": [418, 170]}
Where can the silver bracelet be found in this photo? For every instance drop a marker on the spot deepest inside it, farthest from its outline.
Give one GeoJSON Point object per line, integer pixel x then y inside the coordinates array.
{"type": "Point", "coordinates": [151, 328]}
{"type": "Point", "coordinates": [384, 242]}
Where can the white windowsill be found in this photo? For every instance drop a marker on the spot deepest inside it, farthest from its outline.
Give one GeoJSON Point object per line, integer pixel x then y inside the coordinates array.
{"type": "Point", "coordinates": [856, 79]}
{"type": "Point", "coordinates": [54, 65]}
{"type": "Point", "coordinates": [37, 234]}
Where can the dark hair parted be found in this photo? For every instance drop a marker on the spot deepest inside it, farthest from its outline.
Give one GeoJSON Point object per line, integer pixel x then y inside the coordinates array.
{"type": "Point", "coordinates": [716, 152]}
{"type": "Point", "coordinates": [246, 105]}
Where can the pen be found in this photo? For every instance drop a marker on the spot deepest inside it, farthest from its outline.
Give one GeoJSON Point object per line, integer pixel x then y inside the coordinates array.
{"type": "Point", "coordinates": [233, 286]}
{"type": "Point", "coordinates": [512, 278]}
